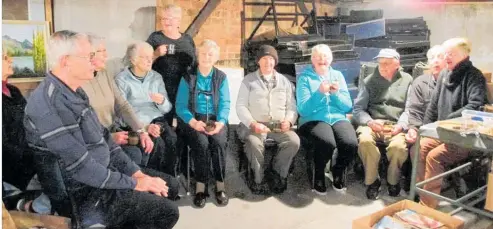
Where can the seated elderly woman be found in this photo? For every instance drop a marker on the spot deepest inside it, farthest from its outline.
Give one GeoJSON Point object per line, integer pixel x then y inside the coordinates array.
{"type": "Point", "coordinates": [145, 91]}
{"type": "Point", "coordinates": [202, 106]}
{"type": "Point", "coordinates": [17, 163]}
{"type": "Point", "coordinates": [323, 101]}
{"type": "Point", "coordinates": [110, 106]}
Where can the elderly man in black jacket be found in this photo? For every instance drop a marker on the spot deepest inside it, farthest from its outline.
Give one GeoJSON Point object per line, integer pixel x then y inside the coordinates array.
{"type": "Point", "coordinates": [460, 87]}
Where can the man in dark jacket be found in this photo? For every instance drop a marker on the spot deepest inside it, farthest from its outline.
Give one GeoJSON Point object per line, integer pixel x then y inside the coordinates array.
{"type": "Point", "coordinates": [421, 90]}
{"type": "Point", "coordinates": [60, 121]}
{"type": "Point", "coordinates": [460, 87]}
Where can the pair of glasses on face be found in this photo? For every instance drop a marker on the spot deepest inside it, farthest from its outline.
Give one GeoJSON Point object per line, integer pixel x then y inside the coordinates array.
{"type": "Point", "coordinates": [88, 58]}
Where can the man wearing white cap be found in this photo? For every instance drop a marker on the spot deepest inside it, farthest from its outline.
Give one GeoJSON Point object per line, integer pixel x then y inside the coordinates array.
{"type": "Point", "coordinates": [378, 113]}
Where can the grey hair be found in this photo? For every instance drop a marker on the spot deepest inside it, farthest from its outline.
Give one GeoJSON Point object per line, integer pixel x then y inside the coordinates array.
{"type": "Point", "coordinates": [60, 44]}
{"type": "Point", "coordinates": [323, 49]}
{"type": "Point", "coordinates": [460, 42]}
{"type": "Point", "coordinates": [133, 51]}
{"type": "Point", "coordinates": [95, 40]}
{"type": "Point", "coordinates": [209, 44]}
{"type": "Point", "coordinates": [434, 51]}
{"type": "Point", "coordinates": [173, 8]}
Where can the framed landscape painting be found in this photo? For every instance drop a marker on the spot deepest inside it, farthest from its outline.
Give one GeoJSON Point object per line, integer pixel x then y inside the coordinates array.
{"type": "Point", "coordinates": [25, 42]}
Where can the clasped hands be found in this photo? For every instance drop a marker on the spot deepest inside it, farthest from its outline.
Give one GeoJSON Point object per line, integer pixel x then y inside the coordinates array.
{"type": "Point", "coordinates": [378, 126]}
{"type": "Point", "coordinates": [200, 126]}
{"type": "Point", "coordinates": [328, 87]}
{"type": "Point", "coordinates": [260, 128]}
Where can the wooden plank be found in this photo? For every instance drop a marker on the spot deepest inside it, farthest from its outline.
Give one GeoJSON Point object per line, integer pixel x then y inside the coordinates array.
{"type": "Point", "coordinates": [49, 15]}
{"type": "Point", "coordinates": [29, 220]}
{"type": "Point", "coordinates": [7, 222]}
{"type": "Point", "coordinates": [201, 17]}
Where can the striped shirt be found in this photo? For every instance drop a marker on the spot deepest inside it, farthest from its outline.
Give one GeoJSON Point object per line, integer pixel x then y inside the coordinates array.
{"type": "Point", "coordinates": [62, 122]}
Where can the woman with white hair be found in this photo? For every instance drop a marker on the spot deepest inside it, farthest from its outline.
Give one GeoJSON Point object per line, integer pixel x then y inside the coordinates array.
{"type": "Point", "coordinates": [144, 89]}
{"type": "Point", "coordinates": [203, 105]}
{"type": "Point", "coordinates": [174, 52]}
{"type": "Point", "coordinates": [111, 108]}
{"type": "Point", "coordinates": [323, 101]}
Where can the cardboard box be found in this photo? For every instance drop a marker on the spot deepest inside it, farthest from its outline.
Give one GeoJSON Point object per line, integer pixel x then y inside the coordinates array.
{"type": "Point", "coordinates": [367, 222]}
{"type": "Point", "coordinates": [489, 193]}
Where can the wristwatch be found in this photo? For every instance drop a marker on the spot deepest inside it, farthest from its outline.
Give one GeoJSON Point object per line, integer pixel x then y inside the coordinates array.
{"type": "Point", "coordinates": [141, 131]}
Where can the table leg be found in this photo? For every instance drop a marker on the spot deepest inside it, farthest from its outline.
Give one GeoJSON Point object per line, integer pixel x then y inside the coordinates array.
{"type": "Point", "coordinates": [415, 160]}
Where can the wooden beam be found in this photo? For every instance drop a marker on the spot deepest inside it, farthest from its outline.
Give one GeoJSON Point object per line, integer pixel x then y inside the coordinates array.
{"type": "Point", "coordinates": [49, 15]}
{"type": "Point", "coordinates": [305, 11]}
{"type": "Point", "coordinates": [201, 17]}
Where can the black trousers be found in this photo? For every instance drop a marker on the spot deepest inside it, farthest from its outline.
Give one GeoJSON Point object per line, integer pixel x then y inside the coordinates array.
{"type": "Point", "coordinates": [205, 148]}
{"type": "Point", "coordinates": [136, 154]}
{"type": "Point", "coordinates": [129, 208]}
{"type": "Point", "coordinates": [325, 138]}
{"type": "Point", "coordinates": [18, 167]}
{"type": "Point", "coordinates": [164, 156]}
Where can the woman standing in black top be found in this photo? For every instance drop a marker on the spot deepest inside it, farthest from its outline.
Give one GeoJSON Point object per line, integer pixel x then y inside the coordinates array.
{"type": "Point", "coordinates": [174, 52]}
{"type": "Point", "coordinates": [17, 163]}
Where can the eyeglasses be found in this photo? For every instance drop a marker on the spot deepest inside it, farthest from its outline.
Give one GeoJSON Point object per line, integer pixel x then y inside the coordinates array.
{"type": "Point", "coordinates": [88, 58]}
{"type": "Point", "coordinates": [101, 50]}
{"type": "Point", "coordinates": [146, 57]}
{"type": "Point", "coordinates": [169, 18]}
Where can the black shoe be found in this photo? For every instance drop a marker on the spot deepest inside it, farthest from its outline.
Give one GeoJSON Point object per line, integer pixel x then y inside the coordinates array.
{"type": "Point", "coordinates": [258, 189]}
{"type": "Point", "coordinates": [279, 185]}
{"type": "Point", "coordinates": [394, 190]}
{"type": "Point", "coordinates": [339, 182]}
{"type": "Point", "coordinates": [373, 190]}
{"type": "Point", "coordinates": [200, 199]}
{"type": "Point", "coordinates": [222, 198]}
{"type": "Point", "coordinates": [319, 187]}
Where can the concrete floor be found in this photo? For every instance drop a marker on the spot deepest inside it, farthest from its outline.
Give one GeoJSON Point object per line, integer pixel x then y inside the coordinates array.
{"type": "Point", "coordinates": [297, 208]}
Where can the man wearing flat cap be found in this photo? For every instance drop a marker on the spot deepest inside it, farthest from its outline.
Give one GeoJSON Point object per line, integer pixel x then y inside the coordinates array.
{"type": "Point", "coordinates": [266, 108]}
{"type": "Point", "coordinates": [378, 112]}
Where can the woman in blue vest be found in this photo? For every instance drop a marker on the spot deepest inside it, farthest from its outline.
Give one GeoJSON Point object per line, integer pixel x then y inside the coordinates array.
{"type": "Point", "coordinates": [323, 101]}
{"type": "Point", "coordinates": [203, 105]}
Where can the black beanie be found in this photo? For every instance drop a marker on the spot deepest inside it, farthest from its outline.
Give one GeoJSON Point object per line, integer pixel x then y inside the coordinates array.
{"type": "Point", "coordinates": [267, 50]}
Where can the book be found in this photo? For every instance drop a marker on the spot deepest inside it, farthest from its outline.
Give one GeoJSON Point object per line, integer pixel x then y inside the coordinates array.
{"type": "Point", "coordinates": [417, 220]}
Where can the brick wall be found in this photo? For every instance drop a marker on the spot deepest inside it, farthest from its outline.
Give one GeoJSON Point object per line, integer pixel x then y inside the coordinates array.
{"type": "Point", "coordinates": [224, 24]}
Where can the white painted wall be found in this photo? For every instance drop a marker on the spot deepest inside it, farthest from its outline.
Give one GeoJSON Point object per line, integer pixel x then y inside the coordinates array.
{"type": "Point", "coordinates": [474, 21]}
{"type": "Point", "coordinates": [120, 21]}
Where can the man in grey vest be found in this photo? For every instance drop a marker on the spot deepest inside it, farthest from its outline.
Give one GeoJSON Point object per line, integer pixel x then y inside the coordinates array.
{"type": "Point", "coordinates": [378, 113]}
{"type": "Point", "coordinates": [266, 97]}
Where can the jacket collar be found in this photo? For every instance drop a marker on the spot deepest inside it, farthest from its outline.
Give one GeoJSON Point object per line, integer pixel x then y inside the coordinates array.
{"type": "Point", "coordinates": [77, 96]}
{"type": "Point", "coordinates": [456, 75]}
{"type": "Point", "coordinates": [131, 76]}
{"type": "Point", "coordinates": [397, 74]}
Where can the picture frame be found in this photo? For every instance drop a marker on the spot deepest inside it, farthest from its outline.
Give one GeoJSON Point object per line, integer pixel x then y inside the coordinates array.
{"type": "Point", "coordinates": [25, 42]}
{"type": "Point", "coordinates": [28, 10]}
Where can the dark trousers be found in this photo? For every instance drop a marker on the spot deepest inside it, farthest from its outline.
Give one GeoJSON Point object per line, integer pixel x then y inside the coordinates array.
{"type": "Point", "coordinates": [18, 167]}
{"type": "Point", "coordinates": [325, 138]}
{"type": "Point", "coordinates": [136, 154]}
{"type": "Point", "coordinates": [205, 148]}
{"type": "Point", "coordinates": [129, 208]}
{"type": "Point", "coordinates": [164, 155]}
